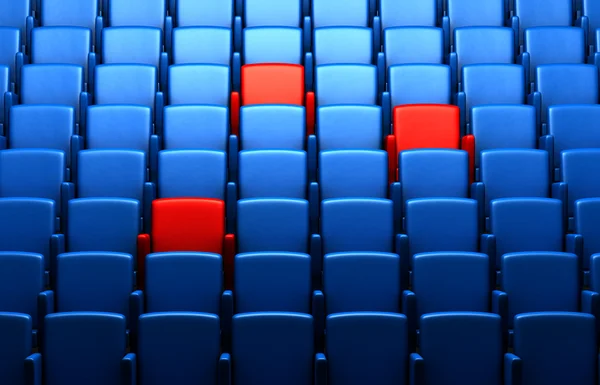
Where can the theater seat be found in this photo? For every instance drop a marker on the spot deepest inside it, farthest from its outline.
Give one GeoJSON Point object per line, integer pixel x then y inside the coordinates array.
{"type": "Point", "coordinates": [199, 84]}
{"type": "Point", "coordinates": [19, 366]}
{"type": "Point", "coordinates": [396, 13]}
{"type": "Point", "coordinates": [332, 86]}
{"type": "Point", "coordinates": [261, 13]}
{"type": "Point", "coordinates": [12, 44]}
{"type": "Point", "coordinates": [332, 13]}
{"type": "Point", "coordinates": [585, 239]}
{"type": "Point", "coordinates": [17, 14]}
{"type": "Point", "coordinates": [193, 13]}
{"type": "Point", "coordinates": [9, 97]}
{"type": "Point", "coordinates": [472, 13]}
{"type": "Point", "coordinates": [328, 47]}
{"type": "Point", "coordinates": [274, 126]}
{"type": "Point", "coordinates": [202, 45]}
{"type": "Point", "coordinates": [589, 19]}
{"type": "Point", "coordinates": [540, 13]}
{"type": "Point", "coordinates": [200, 127]}
{"type": "Point", "coordinates": [75, 13]}
{"type": "Point", "coordinates": [349, 127]}
{"type": "Point", "coordinates": [412, 45]}
{"type": "Point", "coordinates": [273, 44]}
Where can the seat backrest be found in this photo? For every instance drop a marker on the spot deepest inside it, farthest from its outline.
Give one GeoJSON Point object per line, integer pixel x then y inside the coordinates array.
{"type": "Point", "coordinates": [537, 281]}
{"type": "Point", "coordinates": [573, 127]}
{"type": "Point", "coordinates": [273, 174]}
{"type": "Point", "coordinates": [272, 127]}
{"type": "Point", "coordinates": [27, 224]}
{"type": "Point", "coordinates": [82, 282]}
{"type": "Point", "coordinates": [411, 45]}
{"type": "Point", "coordinates": [147, 13]}
{"type": "Point", "coordinates": [192, 173]}
{"type": "Point", "coordinates": [477, 335]}
{"type": "Point", "coordinates": [206, 13]}
{"type": "Point", "coordinates": [273, 347]}
{"type": "Point", "coordinates": [539, 13]}
{"type": "Point", "coordinates": [419, 84]}
{"type": "Point", "coordinates": [594, 266]}
{"type": "Point", "coordinates": [455, 281]}
{"type": "Point", "coordinates": [69, 332]}
{"type": "Point", "coordinates": [377, 288]}
{"type": "Point", "coordinates": [442, 225]}
{"type": "Point", "coordinates": [471, 13]}
{"type": "Point", "coordinates": [21, 282]}
{"type": "Point", "coordinates": [272, 84]}
{"type": "Point", "coordinates": [126, 84]}
{"type": "Point", "coordinates": [42, 126]}
{"type": "Point", "coordinates": [15, 329]}
{"type": "Point", "coordinates": [591, 9]}
{"type": "Point", "coordinates": [260, 13]}
{"type": "Point", "coordinates": [33, 173]}
{"type": "Point", "coordinates": [401, 13]}
{"type": "Point", "coordinates": [515, 174]}
{"type": "Point", "coordinates": [328, 46]}
{"type": "Point", "coordinates": [578, 170]}
{"type": "Point", "coordinates": [349, 127]}
{"type": "Point", "coordinates": [111, 173]}
{"type": "Point", "coordinates": [426, 126]}
{"type": "Point", "coordinates": [273, 45]}
{"type": "Point", "coordinates": [196, 127]}
{"type": "Point", "coordinates": [503, 126]}
{"type": "Point", "coordinates": [332, 13]}
{"type": "Point", "coordinates": [526, 224]}
{"type": "Point", "coordinates": [353, 173]}
{"type": "Point", "coordinates": [357, 224]}
{"type": "Point", "coordinates": [199, 84]}
{"type": "Point", "coordinates": [13, 13]}
{"type": "Point", "coordinates": [332, 85]}
{"type": "Point", "coordinates": [183, 282]}
{"type": "Point", "coordinates": [188, 224]}
{"type": "Point", "coordinates": [121, 45]}
{"type": "Point", "coordinates": [493, 84]}
{"type": "Point", "coordinates": [587, 214]}
{"type": "Point", "coordinates": [61, 45]}
{"type": "Point", "coordinates": [103, 224]}
{"type": "Point", "coordinates": [5, 86]}
{"type": "Point", "coordinates": [272, 282]}
{"type": "Point", "coordinates": [194, 336]}
{"type": "Point", "coordinates": [556, 348]}
{"type": "Point", "coordinates": [272, 225]}
{"type": "Point", "coordinates": [76, 13]}
{"type": "Point", "coordinates": [350, 340]}
{"type": "Point", "coordinates": [206, 45]}
{"type": "Point", "coordinates": [10, 37]}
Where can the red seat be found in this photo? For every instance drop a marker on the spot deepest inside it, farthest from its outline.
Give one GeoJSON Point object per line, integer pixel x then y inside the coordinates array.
{"type": "Point", "coordinates": [425, 126]}
{"type": "Point", "coordinates": [277, 84]}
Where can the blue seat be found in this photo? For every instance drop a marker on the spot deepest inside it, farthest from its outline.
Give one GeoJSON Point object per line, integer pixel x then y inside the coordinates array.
{"type": "Point", "coordinates": [362, 281]}
{"type": "Point", "coordinates": [472, 13]}
{"type": "Point", "coordinates": [22, 285]}
{"type": "Point", "coordinates": [590, 20]}
{"type": "Point", "coordinates": [553, 348]}
{"type": "Point", "coordinates": [517, 173]}
{"type": "Point", "coordinates": [353, 173]}
{"type": "Point", "coordinates": [417, 84]}
{"type": "Point", "coordinates": [475, 335]}
{"type": "Point", "coordinates": [196, 339]}
{"type": "Point", "coordinates": [578, 177]}
{"type": "Point", "coordinates": [103, 224]}
{"type": "Point", "coordinates": [586, 227]}
{"type": "Point", "coordinates": [107, 363]}
{"type": "Point", "coordinates": [362, 345]}
{"type": "Point", "coordinates": [196, 127]}
{"type": "Point", "coordinates": [332, 86]}
{"type": "Point", "coordinates": [262, 13]}
{"type": "Point", "coordinates": [273, 347]}
{"type": "Point", "coordinates": [524, 224]}
{"type": "Point", "coordinates": [402, 13]}
{"type": "Point", "coordinates": [11, 44]}
{"type": "Point", "coordinates": [272, 174]}
{"type": "Point", "coordinates": [272, 225]}
{"type": "Point", "coordinates": [413, 45]}
{"type": "Point", "coordinates": [205, 13]}
{"type": "Point", "coordinates": [272, 127]}
{"type": "Point", "coordinates": [54, 84]}
{"type": "Point", "coordinates": [329, 47]}
{"type": "Point", "coordinates": [5, 90]}
{"type": "Point", "coordinates": [502, 126]}
{"type": "Point", "coordinates": [18, 366]}
{"type": "Point", "coordinates": [440, 225]}
{"type": "Point", "coordinates": [146, 13]}
{"type": "Point", "coordinates": [564, 84]}
{"type": "Point", "coordinates": [571, 127]}
{"type": "Point", "coordinates": [192, 173]}
{"type": "Point", "coordinates": [28, 225]}
{"type": "Point", "coordinates": [184, 282]}
{"type": "Point", "coordinates": [270, 44]}
{"type": "Point", "coordinates": [349, 127]}
{"type": "Point", "coordinates": [199, 84]}
{"type": "Point", "coordinates": [75, 13]}
{"type": "Point", "coordinates": [16, 14]}
{"type": "Point", "coordinates": [540, 13]}
{"type": "Point", "coordinates": [205, 45]}
{"type": "Point", "coordinates": [334, 13]}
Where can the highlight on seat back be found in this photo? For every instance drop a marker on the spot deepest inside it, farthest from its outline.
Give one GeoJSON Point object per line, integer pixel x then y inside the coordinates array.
{"type": "Point", "coordinates": [194, 336]}
{"type": "Point", "coordinates": [273, 173]}
{"type": "Point", "coordinates": [586, 225]}
{"type": "Point", "coordinates": [547, 343]}
{"type": "Point", "coordinates": [406, 45]}
{"type": "Point", "coordinates": [272, 84]}
{"type": "Point", "coordinates": [199, 84]}
{"type": "Point", "coordinates": [272, 126]}
{"type": "Point", "coordinates": [328, 45]}
{"type": "Point", "coordinates": [272, 13]}
{"type": "Point", "coordinates": [375, 288]}
{"type": "Point", "coordinates": [103, 224]}
{"type": "Point", "coordinates": [333, 13]}
{"type": "Point", "coordinates": [192, 13]}
{"type": "Point", "coordinates": [272, 282]}
{"type": "Point", "coordinates": [273, 45]}
{"type": "Point", "coordinates": [11, 44]}
{"type": "Point", "coordinates": [70, 332]}
{"type": "Point", "coordinates": [120, 45]}
{"type": "Point", "coordinates": [272, 225]}
{"type": "Point", "coordinates": [22, 285]}
{"type": "Point", "coordinates": [352, 340]}
{"type": "Point", "coordinates": [18, 364]}
{"type": "Point", "coordinates": [192, 173]}
{"type": "Point", "coordinates": [183, 282]}
{"type": "Point", "coordinates": [578, 168]}
{"type": "Point", "coordinates": [14, 13]}
{"type": "Point", "coordinates": [526, 224]}
{"type": "Point", "coordinates": [476, 335]}
{"type": "Point", "coordinates": [349, 127]}
{"type": "Point", "coordinates": [273, 347]}
{"type": "Point", "coordinates": [357, 224]}
{"type": "Point", "coordinates": [196, 127]}
{"type": "Point", "coordinates": [147, 13]}
{"type": "Point", "coordinates": [540, 13]}
{"type": "Point", "coordinates": [441, 225]}
{"type": "Point", "coordinates": [207, 45]}
{"type": "Point", "coordinates": [332, 85]}
{"type": "Point", "coordinates": [353, 173]}
{"type": "Point", "coordinates": [473, 13]}
{"type": "Point", "coordinates": [78, 13]}
{"type": "Point", "coordinates": [395, 13]}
